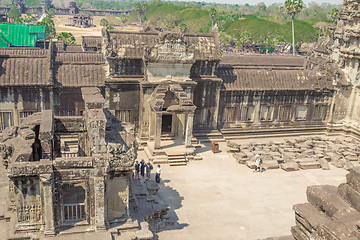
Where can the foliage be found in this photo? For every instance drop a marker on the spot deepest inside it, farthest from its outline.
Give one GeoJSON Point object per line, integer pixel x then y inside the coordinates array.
{"type": "Point", "coordinates": [293, 7]}
{"type": "Point", "coordinates": [66, 37]}
{"type": "Point", "coordinates": [18, 20]}
{"type": "Point", "coordinates": [14, 12]}
{"type": "Point", "coordinates": [29, 18]}
{"type": "Point", "coordinates": [110, 27]}
{"type": "Point", "coordinates": [334, 14]}
{"type": "Point", "coordinates": [50, 13]}
{"type": "Point", "coordinates": [123, 19]}
{"type": "Point", "coordinates": [212, 14]}
{"type": "Point", "coordinates": [183, 27]}
{"type": "Point", "coordinates": [141, 8]}
{"type": "Point", "coordinates": [245, 39]}
{"type": "Point", "coordinates": [49, 25]}
{"type": "Point", "coordinates": [104, 22]}
{"type": "Point", "coordinates": [85, 12]}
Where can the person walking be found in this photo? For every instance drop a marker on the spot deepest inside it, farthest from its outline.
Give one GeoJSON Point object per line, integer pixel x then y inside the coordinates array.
{"type": "Point", "coordinates": [148, 167]}
{"type": "Point", "coordinates": [137, 169]}
{"type": "Point", "coordinates": [158, 172]}
{"type": "Point", "coordinates": [258, 163]}
{"type": "Point", "coordinates": [142, 168]}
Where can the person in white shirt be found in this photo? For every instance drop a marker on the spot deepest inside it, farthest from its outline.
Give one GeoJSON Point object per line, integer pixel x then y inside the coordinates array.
{"type": "Point", "coordinates": [158, 172]}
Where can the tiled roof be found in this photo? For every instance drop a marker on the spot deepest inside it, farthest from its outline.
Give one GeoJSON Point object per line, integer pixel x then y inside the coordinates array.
{"type": "Point", "coordinates": [241, 79]}
{"type": "Point", "coordinates": [263, 61]}
{"type": "Point", "coordinates": [79, 75]}
{"type": "Point", "coordinates": [24, 66]}
{"type": "Point", "coordinates": [91, 41]}
{"type": "Point", "coordinates": [76, 57]}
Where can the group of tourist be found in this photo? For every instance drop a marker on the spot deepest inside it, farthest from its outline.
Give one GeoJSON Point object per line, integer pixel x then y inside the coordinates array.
{"type": "Point", "coordinates": [143, 168]}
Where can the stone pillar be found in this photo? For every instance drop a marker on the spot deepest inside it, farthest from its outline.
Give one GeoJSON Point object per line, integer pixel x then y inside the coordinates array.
{"type": "Point", "coordinates": [41, 99]}
{"type": "Point", "coordinates": [217, 102]}
{"type": "Point", "coordinates": [189, 129]}
{"type": "Point", "coordinates": [158, 123]}
{"type": "Point", "coordinates": [99, 203]}
{"type": "Point", "coordinates": [51, 99]}
{"type": "Point", "coordinates": [48, 206]}
{"type": "Point", "coordinates": [107, 96]}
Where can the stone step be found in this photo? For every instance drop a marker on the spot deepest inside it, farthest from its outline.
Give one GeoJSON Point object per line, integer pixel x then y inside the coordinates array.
{"type": "Point", "coordinates": [326, 199]}
{"type": "Point", "coordinates": [175, 154]}
{"type": "Point", "coordinates": [177, 164]}
{"type": "Point", "coordinates": [160, 160]}
{"type": "Point", "coordinates": [309, 216]}
{"type": "Point", "coordinates": [309, 165]}
{"type": "Point", "coordinates": [177, 160]}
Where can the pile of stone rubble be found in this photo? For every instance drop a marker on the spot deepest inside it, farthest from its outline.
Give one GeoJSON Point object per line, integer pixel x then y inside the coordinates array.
{"type": "Point", "coordinates": [299, 153]}
{"type": "Point", "coordinates": [331, 212]}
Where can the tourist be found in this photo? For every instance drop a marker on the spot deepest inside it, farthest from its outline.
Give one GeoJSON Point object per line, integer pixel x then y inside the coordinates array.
{"type": "Point", "coordinates": [258, 163]}
{"type": "Point", "coordinates": [149, 167]}
{"type": "Point", "coordinates": [142, 168]}
{"type": "Point", "coordinates": [158, 172]}
{"type": "Point", "coordinates": [137, 169]}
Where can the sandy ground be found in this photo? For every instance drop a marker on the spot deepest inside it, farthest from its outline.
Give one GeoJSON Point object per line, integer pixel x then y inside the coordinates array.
{"type": "Point", "coordinates": [61, 20]}
{"type": "Point", "coordinates": [217, 198]}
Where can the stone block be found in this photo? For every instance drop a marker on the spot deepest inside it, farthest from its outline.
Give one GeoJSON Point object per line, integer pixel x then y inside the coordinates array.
{"type": "Point", "coordinates": [250, 164]}
{"type": "Point", "coordinates": [309, 165]}
{"type": "Point", "coordinates": [339, 163]}
{"type": "Point", "coordinates": [309, 216]}
{"type": "Point", "coordinates": [326, 198]}
{"type": "Point", "coordinates": [240, 158]}
{"type": "Point", "coordinates": [270, 164]}
{"type": "Point", "coordinates": [289, 166]}
{"type": "Point", "coordinates": [353, 178]}
{"type": "Point", "coordinates": [324, 164]}
{"type": "Point", "coordinates": [350, 195]}
{"type": "Point", "coordinates": [233, 150]}
{"type": "Point", "coordinates": [348, 166]}
{"type": "Point", "coordinates": [233, 144]}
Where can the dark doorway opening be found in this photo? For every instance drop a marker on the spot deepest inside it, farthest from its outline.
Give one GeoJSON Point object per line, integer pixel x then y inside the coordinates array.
{"type": "Point", "coordinates": [166, 123]}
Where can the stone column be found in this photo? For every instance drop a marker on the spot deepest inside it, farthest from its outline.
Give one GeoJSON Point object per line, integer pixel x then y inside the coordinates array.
{"type": "Point", "coordinates": [158, 123]}
{"type": "Point", "coordinates": [217, 102]}
{"type": "Point", "coordinates": [48, 206]}
{"type": "Point", "coordinates": [189, 129]}
{"type": "Point", "coordinates": [99, 203]}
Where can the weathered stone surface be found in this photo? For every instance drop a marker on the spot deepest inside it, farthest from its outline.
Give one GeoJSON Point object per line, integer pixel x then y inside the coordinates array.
{"type": "Point", "coordinates": [324, 164]}
{"type": "Point", "coordinates": [353, 178]}
{"type": "Point", "coordinates": [309, 165]}
{"type": "Point", "coordinates": [326, 198]}
{"type": "Point", "coordinates": [348, 165]}
{"type": "Point", "coordinates": [290, 166]}
{"type": "Point", "coordinates": [270, 164]}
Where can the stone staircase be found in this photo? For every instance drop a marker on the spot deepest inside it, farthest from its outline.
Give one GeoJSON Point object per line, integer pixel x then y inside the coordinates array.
{"type": "Point", "coordinates": [167, 137]}
{"type": "Point", "coordinates": [331, 213]}
{"type": "Point", "coordinates": [176, 158]}
{"type": "Point", "coordinates": [203, 136]}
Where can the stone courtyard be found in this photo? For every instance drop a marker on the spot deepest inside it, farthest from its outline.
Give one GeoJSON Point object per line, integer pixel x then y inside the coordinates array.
{"type": "Point", "coordinates": [230, 201]}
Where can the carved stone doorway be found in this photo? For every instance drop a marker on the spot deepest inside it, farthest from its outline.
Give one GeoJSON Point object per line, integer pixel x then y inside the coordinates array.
{"type": "Point", "coordinates": [166, 124]}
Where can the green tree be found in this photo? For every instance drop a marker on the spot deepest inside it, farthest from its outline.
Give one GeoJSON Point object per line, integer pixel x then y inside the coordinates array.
{"type": "Point", "coordinates": [123, 19]}
{"type": "Point", "coordinates": [244, 40]}
{"type": "Point", "coordinates": [50, 13]}
{"type": "Point", "coordinates": [29, 18]}
{"type": "Point", "coordinates": [14, 12]}
{"type": "Point", "coordinates": [183, 27]}
{"type": "Point", "coordinates": [18, 20]}
{"type": "Point", "coordinates": [66, 37]}
{"type": "Point", "coordinates": [141, 8]}
{"type": "Point", "coordinates": [49, 25]}
{"type": "Point", "coordinates": [212, 15]}
{"type": "Point", "coordinates": [110, 27]}
{"type": "Point", "coordinates": [334, 13]}
{"type": "Point", "coordinates": [293, 7]}
{"type": "Point", "coordinates": [104, 22]}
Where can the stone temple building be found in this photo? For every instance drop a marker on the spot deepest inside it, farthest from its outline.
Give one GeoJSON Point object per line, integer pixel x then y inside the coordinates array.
{"type": "Point", "coordinates": [58, 168]}
{"type": "Point", "coordinates": [80, 101]}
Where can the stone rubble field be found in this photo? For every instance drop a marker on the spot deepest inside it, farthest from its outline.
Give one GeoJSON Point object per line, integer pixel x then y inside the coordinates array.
{"type": "Point", "coordinates": [299, 153]}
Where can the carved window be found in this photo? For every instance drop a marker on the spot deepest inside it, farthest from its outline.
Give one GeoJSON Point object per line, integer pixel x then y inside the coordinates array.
{"type": "Point", "coordinates": [230, 114]}
{"type": "Point", "coordinates": [285, 113]}
{"type": "Point", "coordinates": [123, 115]}
{"type": "Point", "coordinates": [25, 114]}
{"type": "Point", "coordinates": [320, 112]}
{"type": "Point", "coordinates": [6, 120]}
{"type": "Point", "coordinates": [266, 113]}
{"type": "Point", "coordinates": [74, 198]}
{"type": "Point", "coordinates": [248, 114]}
{"type": "Point", "coordinates": [301, 112]}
